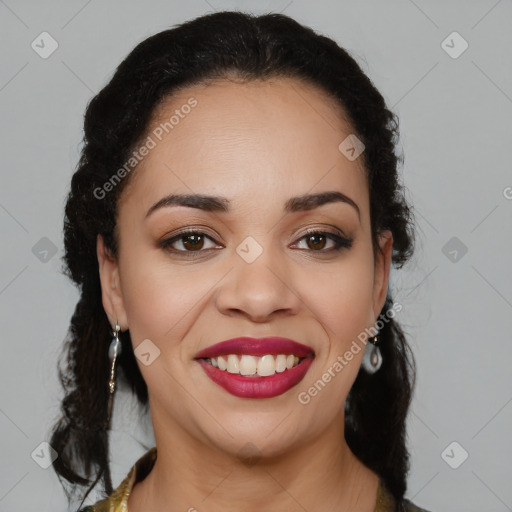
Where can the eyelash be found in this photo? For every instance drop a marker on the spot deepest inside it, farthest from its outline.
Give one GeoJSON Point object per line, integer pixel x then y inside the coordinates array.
{"type": "Point", "coordinates": [340, 241]}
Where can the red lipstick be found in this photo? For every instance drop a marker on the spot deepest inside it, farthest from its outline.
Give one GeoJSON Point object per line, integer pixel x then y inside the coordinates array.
{"type": "Point", "coordinates": [255, 386]}
{"type": "Point", "coordinates": [256, 347]}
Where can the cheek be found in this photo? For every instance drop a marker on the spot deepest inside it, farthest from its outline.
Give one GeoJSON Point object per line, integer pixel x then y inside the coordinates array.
{"type": "Point", "coordinates": [342, 306]}
{"type": "Point", "coordinates": [342, 300]}
{"type": "Point", "coordinates": [158, 297]}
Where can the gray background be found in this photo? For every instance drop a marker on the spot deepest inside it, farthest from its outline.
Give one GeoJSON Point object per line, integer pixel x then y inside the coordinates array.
{"type": "Point", "coordinates": [456, 131]}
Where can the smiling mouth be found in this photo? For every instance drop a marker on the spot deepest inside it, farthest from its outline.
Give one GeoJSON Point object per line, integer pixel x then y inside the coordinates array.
{"type": "Point", "coordinates": [255, 366]}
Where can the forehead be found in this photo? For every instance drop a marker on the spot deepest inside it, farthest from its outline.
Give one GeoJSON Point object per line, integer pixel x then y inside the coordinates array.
{"type": "Point", "coordinates": [234, 138]}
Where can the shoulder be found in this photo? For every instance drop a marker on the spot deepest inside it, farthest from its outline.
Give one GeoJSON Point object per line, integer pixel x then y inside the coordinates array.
{"type": "Point", "coordinates": [387, 503]}
{"type": "Point", "coordinates": [104, 505]}
{"type": "Point", "coordinates": [117, 501]}
{"type": "Point", "coordinates": [411, 507]}
{"type": "Point", "coordinates": [100, 506]}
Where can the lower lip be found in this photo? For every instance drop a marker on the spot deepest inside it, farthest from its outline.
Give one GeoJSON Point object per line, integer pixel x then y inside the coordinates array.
{"type": "Point", "coordinates": [255, 386]}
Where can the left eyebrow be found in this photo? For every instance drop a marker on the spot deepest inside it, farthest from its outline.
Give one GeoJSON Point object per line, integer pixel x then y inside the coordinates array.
{"type": "Point", "coordinates": [312, 201]}
{"type": "Point", "coordinates": [221, 204]}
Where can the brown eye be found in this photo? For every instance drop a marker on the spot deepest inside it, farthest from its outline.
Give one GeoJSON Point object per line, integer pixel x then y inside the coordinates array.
{"type": "Point", "coordinates": [193, 242]}
{"type": "Point", "coordinates": [316, 241]}
{"type": "Point", "coordinates": [187, 242]}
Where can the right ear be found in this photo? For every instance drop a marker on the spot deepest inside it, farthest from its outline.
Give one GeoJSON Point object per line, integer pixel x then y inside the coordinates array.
{"type": "Point", "coordinates": [111, 294]}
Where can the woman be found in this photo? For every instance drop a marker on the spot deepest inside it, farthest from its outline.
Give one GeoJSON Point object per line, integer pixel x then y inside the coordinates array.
{"type": "Point", "coordinates": [232, 224]}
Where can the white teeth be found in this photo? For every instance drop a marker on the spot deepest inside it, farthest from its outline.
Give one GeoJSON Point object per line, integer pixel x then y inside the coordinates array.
{"type": "Point", "coordinates": [266, 366]}
{"type": "Point", "coordinates": [263, 366]}
{"type": "Point", "coordinates": [248, 365]}
{"type": "Point", "coordinates": [280, 363]}
{"type": "Point", "coordinates": [233, 366]}
{"type": "Point", "coordinates": [221, 362]}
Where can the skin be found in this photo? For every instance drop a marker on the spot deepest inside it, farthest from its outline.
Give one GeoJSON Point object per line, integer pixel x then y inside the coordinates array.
{"type": "Point", "coordinates": [257, 144]}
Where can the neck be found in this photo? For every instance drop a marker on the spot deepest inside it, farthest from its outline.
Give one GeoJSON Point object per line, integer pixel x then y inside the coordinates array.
{"type": "Point", "coordinates": [322, 475]}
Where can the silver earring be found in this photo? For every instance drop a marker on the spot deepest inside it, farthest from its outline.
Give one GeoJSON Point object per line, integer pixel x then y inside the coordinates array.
{"type": "Point", "coordinates": [113, 351]}
{"type": "Point", "coordinates": [372, 359]}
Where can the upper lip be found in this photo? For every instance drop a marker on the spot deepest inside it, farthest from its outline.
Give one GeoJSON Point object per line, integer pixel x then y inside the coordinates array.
{"type": "Point", "coordinates": [256, 347]}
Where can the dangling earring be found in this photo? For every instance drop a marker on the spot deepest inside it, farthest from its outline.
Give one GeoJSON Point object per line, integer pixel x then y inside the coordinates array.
{"type": "Point", "coordinates": [372, 359]}
{"type": "Point", "coordinates": [113, 351]}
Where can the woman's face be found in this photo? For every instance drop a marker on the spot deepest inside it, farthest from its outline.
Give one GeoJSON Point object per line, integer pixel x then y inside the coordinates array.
{"type": "Point", "coordinates": [250, 269]}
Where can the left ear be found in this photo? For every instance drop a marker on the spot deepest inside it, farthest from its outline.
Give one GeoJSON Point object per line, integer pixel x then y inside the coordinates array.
{"type": "Point", "coordinates": [111, 296]}
{"type": "Point", "coordinates": [381, 271]}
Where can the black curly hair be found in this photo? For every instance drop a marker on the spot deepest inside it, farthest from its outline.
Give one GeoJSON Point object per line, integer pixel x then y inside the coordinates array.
{"type": "Point", "coordinates": [221, 45]}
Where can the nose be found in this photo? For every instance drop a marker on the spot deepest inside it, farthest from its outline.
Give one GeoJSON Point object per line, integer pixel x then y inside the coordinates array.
{"type": "Point", "coordinates": [259, 290]}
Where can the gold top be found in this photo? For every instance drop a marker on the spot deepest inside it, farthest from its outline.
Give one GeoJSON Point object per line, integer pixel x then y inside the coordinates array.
{"type": "Point", "coordinates": [118, 500]}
